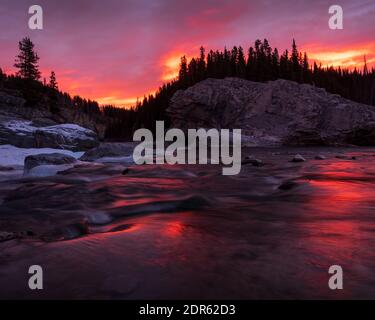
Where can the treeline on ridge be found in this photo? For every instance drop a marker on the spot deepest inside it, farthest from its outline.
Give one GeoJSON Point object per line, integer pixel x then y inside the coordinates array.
{"type": "Point", "coordinates": [261, 63]}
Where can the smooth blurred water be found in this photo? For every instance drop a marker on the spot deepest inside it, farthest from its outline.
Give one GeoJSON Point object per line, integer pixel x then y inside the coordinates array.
{"type": "Point", "coordinates": [180, 232]}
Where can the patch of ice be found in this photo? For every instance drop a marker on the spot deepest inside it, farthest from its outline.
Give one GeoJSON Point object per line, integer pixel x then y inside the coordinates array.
{"type": "Point", "coordinates": [68, 130]}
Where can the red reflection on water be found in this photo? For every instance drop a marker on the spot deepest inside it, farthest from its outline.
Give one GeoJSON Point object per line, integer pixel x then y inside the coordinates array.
{"type": "Point", "coordinates": [143, 191]}
{"type": "Point", "coordinates": [161, 183]}
{"type": "Point", "coordinates": [335, 216]}
{"type": "Point", "coordinates": [347, 169]}
{"type": "Point", "coordinates": [341, 187]}
{"type": "Point", "coordinates": [342, 193]}
{"type": "Point", "coordinates": [174, 229]}
{"type": "Point", "coordinates": [333, 205]}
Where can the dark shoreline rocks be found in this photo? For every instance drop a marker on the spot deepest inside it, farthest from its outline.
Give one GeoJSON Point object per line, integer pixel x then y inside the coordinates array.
{"type": "Point", "coordinates": [254, 162]}
{"type": "Point", "coordinates": [6, 168]}
{"type": "Point", "coordinates": [287, 185]}
{"type": "Point", "coordinates": [108, 149]}
{"type": "Point", "coordinates": [6, 235]}
{"type": "Point", "coordinates": [47, 159]}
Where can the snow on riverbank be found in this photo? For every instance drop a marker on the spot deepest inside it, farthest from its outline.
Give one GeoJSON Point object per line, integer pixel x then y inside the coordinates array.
{"type": "Point", "coordinates": [68, 130]}
{"type": "Point", "coordinates": [20, 127]}
{"type": "Point", "coordinates": [14, 157]}
{"type": "Point", "coordinates": [26, 134]}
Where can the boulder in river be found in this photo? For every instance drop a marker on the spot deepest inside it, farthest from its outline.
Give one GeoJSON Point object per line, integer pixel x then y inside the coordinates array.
{"type": "Point", "coordinates": [109, 150]}
{"type": "Point", "coordinates": [252, 161]}
{"type": "Point", "coordinates": [47, 159]}
{"type": "Point", "coordinates": [287, 185]}
{"type": "Point", "coordinates": [320, 157]}
{"type": "Point", "coordinates": [298, 158]}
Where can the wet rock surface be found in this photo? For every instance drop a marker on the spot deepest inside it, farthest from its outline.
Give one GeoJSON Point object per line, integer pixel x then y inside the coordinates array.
{"type": "Point", "coordinates": [298, 158]}
{"type": "Point", "coordinates": [252, 161]}
{"type": "Point", "coordinates": [108, 150]}
{"type": "Point", "coordinates": [47, 159]}
{"type": "Point", "coordinates": [320, 157]}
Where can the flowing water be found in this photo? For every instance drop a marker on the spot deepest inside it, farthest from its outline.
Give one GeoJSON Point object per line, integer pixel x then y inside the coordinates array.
{"type": "Point", "coordinates": [188, 232]}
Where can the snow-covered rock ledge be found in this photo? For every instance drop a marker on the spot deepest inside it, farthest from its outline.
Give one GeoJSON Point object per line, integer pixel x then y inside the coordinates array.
{"type": "Point", "coordinates": [26, 134]}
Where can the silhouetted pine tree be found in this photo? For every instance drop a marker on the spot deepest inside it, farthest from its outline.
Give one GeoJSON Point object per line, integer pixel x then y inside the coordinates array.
{"type": "Point", "coordinates": [295, 63]}
{"type": "Point", "coordinates": [233, 62]}
{"type": "Point", "coordinates": [250, 64]}
{"type": "Point", "coordinates": [306, 73]}
{"type": "Point", "coordinates": [241, 64]}
{"type": "Point", "coordinates": [52, 81]}
{"type": "Point", "coordinates": [202, 64]}
{"type": "Point", "coordinates": [285, 66]}
{"type": "Point", "coordinates": [27, 60]}
{"type": "Point", "coordinates": [2, 78]}
{"type": "Point", "coordinates": [183, 73]}
{"type": "Point", "coordinates": [275, 66]}
{"type": "Point", "coordinates": [193, 72]}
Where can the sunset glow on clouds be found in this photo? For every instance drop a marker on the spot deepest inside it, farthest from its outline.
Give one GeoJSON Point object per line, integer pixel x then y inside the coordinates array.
{"type": "Point", "coordinates": [345, 57]}
{"type": "Point", "coordinates": [118, 50]}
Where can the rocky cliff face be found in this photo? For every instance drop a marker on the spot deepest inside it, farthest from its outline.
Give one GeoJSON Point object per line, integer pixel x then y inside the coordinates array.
{"type": "Point", "coordinates": [277, 112]}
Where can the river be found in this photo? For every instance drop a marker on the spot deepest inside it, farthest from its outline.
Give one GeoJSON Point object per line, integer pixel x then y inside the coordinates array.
{"type": "Point", "coordinates": [188, 232]}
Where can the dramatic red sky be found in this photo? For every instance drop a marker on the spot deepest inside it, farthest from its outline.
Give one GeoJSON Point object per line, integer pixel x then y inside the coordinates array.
{"type": "Point", "coordinates": [114, 51]}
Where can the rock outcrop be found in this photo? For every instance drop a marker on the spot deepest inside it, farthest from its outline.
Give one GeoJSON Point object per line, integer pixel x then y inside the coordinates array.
{"type": "Point", "coordinates": [14, 106]}
{"type": "Point", "coordinates": [66, 136]}
{"type": "Point", "coordinates": [37, 127]}
{"type": "Point", "coordinates": [16, 132]}
{"type": "Point", "coordinates": [28, 134]}
{"type": "Point", "coordinates": [279, 112]}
